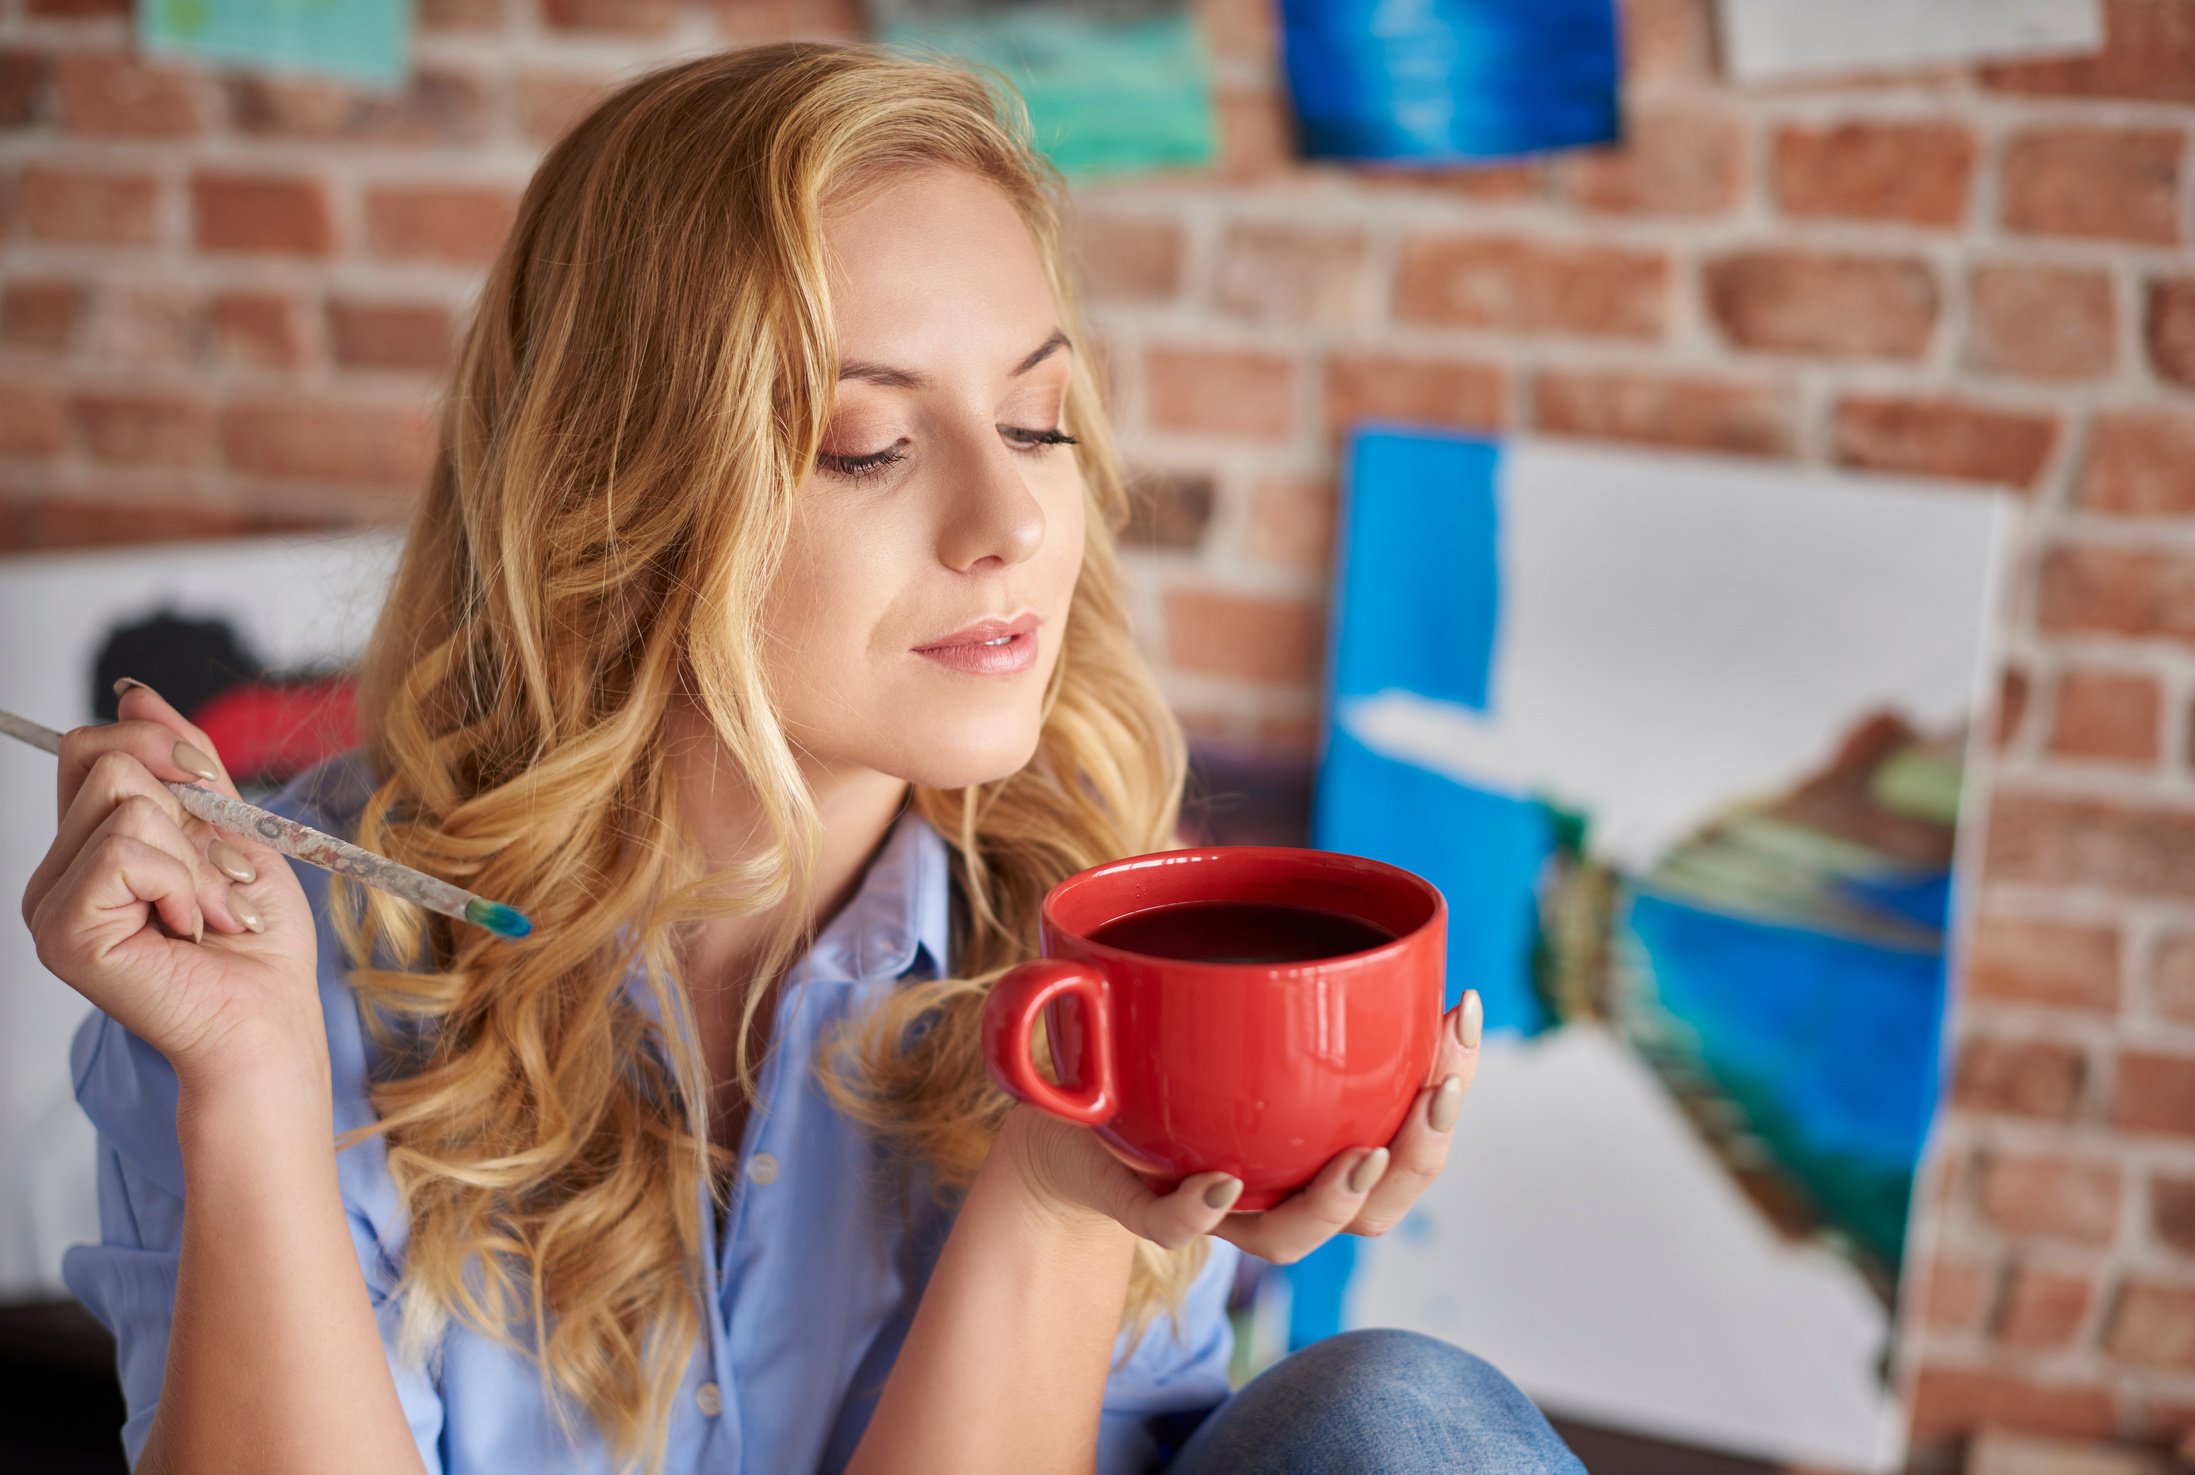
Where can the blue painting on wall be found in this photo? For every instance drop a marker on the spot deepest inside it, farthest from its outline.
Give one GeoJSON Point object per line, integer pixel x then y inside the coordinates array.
{"type": "Point", "coordinates": [1683, 742]}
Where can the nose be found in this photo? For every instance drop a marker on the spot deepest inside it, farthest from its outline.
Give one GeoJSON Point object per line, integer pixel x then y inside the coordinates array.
{"type": "Point", "coordinates": [991, 515]}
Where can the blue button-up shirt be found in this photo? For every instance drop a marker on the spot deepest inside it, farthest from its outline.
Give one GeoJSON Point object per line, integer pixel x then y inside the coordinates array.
{"type": "Point", "coordinates": [812, 1282]}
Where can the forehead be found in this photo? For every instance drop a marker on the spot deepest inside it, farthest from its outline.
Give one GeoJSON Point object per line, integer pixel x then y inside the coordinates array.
{"type": "Point", "coordinates": [932, 261]}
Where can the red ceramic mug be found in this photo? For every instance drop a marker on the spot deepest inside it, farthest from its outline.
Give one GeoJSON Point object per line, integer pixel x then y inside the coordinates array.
{"type": "Point", "coordinates": [1263, 1070]}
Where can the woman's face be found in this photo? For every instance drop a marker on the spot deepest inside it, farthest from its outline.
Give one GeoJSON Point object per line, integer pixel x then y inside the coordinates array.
{"type": "Point", "coordinates": [939, 501]}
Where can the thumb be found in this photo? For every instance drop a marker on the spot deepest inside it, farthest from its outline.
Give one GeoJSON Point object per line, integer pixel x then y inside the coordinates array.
{"type": "Point", "coordinates": [1195, 1207]}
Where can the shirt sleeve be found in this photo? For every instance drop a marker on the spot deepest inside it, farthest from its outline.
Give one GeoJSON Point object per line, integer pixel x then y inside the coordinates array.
{"type": "Point", "coordinates": [127, 1280]}
{"type": "Point", "coordinates": [1169, 1374]}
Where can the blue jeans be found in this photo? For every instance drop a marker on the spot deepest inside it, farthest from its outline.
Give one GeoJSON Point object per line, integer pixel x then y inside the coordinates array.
{"type": "Point", "coordinates": [1378, 1401]}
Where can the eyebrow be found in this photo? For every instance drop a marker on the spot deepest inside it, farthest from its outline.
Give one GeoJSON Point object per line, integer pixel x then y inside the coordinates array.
{"type": "Point", "coordinates": [892, 378]}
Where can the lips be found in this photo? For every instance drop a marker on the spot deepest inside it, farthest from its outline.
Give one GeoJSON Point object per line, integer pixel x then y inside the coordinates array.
{"type": "Point", "coordinates": [983, 632]}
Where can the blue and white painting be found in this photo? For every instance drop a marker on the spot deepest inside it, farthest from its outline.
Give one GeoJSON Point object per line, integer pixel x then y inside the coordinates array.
{"type": "Point", "coordinates": [1682, 740]}
{"type": "Point", "coordinates": [1432, 82]}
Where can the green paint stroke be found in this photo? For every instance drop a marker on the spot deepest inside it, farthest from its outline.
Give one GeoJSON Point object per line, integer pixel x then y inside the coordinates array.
{"type": "Point", "coordinates": [1104, 96]}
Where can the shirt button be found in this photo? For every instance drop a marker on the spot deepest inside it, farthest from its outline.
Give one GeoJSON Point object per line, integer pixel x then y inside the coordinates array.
{"type": "Point", "coordinates": [762, 1168]}
{"type": "Point", "coordinates": [709, 1399]}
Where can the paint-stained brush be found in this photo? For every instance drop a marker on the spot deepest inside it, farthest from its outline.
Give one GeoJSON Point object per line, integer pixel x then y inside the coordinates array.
{"type": "Point", "coordinates": [315, 847]}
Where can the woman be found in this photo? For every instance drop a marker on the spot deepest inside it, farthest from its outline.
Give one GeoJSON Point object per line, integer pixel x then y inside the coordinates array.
{"type": "Point", "coordinates": [761, 636]}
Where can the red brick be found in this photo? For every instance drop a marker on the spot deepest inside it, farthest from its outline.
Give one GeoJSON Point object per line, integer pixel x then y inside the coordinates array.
{"type": "Point", "coordinates": [1530, 286]}
{"type": "Point", "coordinates": [2043, 1196]}
{"type": "Point", "coordinates": [2154, 1092]}
{"type": "Point", "coordinates": [1251, 637]}
{"type": "Point", "coordinates": [749, 22]}
{"type": "Point", "coordinates": [2168, 328]}
{"type": "Point", "coordinates": [143, 428]}
{"type": "Point", "coordinates": [2043, 1309]}
{"type": "Point", "coordinates": [550, 104]}
{"type": "Point", "coordinates": [1292, 521]}
{"type": "Point", "coordinates": [460, 15]}
{"type": "Point", "coordinates": [1665, 410]}
{"type": "Point", "coordinates": [78, 9]}
{"type": "Point", "coordinates": [112, 94]}
{"type": "Point", "coordinates": [1958, 1295]}
{"type": "Point", "coordinates": [58, 523]}
{"type": "Point", "coordinates": [2172, 978]}
{"type": "Point", "coordinates": [2140, 462]}
{"type": "Point", "coordinates": [30, 420]}
{"type": "Point", "coordinates": [2048, 322]}
{"type": "Point", "coordinates": [22, 86]}
{"type": "Point", "coordinates": [2153, 1325]}
{"type": "Point", "coordinates": [1957, 1400]}
{"type": "Point", "coordinates": [1917, 172]}
{"type": "Point", "coordinates": [1169, 509]}
{"type": "Point", "coordinates": [149, 323]}
{"type": "Point", "coordinates": [1482, 184]}
{"type": "Point", "coordinates": [1243, 394]}
{"type": "Point", "coordinates": [2035, 1078]}
{"type": "Point", "coordinates": [460, 223]}
{"type": "Point", "coordinates": [1239, 30]}
{"type": "Point", "coordinates": [327, 440]}
{"type": "Point", "coordinates": [77, 206]}
{"type": "Point", "coordinates": [1257, 138]}
{"type": "Point", "coordinates": [2012, 694]}
{"type": "Point", "coordinates": [2149, 53]}
{"type": "Point", "coordinates": [260, 213]}
{"type": "Point", "coordinates": [1830, 305]}
{"type": "Point", "coordinates": [2107, 714]}
{"type": "Point", "coordinates": [2062, 841]}
{"type": "Point", "coordinates": [436, 106]}
{"type": "Point", "coordinates": [1674, 159]}
{"type": "Point", "coordinates": [256, 328]}
{"type": "Point", "coordinates": [2121, 184]}
{"type": "Point", "coordinates": [1454, 393]}
{"type": "Point", "coordinates": [41, 315]}
{"type": "Point", "coordinates": [1666, 40]}
{"type": "Point", "coordinates": [2118, 591]}
{"type": "Point", "coordinates": [1292, 274]}
{"type": "Point", "coordinates": [1124, 258]}
{"type": "Point", "coordinates": [1947, 438]}
{"type": "Point", "coordinates": [628, 17]}
{"type": "Point", "coordinates": [2172, 1211]}
{"type": "Point", "coordinates": [389, 335]}
{"type": "Point", "coordinates": [2060, 964]}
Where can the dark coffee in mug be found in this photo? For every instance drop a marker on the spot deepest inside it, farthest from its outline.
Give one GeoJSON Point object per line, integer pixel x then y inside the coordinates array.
{"type": "Point", "coordinates": [1241, 932]}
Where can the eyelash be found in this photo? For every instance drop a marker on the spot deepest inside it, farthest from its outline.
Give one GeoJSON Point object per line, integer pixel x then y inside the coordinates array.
{"type": "Point", "coordinates": [856, 467]}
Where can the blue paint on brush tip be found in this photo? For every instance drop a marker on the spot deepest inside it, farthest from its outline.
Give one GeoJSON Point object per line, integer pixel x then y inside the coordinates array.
{"type": "Point", "coordinates": [498, 918]}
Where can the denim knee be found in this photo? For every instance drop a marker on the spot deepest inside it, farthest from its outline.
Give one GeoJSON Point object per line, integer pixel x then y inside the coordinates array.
{"type": "Point", "coordinates": [1378, 1399]}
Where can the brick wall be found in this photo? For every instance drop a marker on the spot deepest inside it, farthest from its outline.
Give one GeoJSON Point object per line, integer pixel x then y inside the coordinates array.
{"type": "Point", "coordinates": [226, 297]}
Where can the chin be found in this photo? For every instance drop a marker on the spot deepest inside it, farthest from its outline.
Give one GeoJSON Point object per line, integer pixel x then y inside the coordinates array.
{"type": "Point", "coordinates": [974, 749]}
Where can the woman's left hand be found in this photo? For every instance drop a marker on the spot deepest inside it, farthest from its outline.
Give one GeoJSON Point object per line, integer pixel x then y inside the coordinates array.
{"type": "Point", "coordinates": [1359, 1191]}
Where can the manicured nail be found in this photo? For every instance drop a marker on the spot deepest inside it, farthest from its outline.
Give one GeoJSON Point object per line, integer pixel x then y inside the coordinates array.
{"type": "Point", "coordinates": [124, 683]}
{"type": "Point", "coordinates": [1447, 1102]}
{"type": "Point", "coordinates": [1223, 1193]}
{"type": "Point", "coordinates": [198, 923]}
{"type": "Point", "coordinates": [1368, 1170]}
{"type": "Point", "coordinates": [231, 861]}
{"type": "Point", "coordinates": [190, 760]}
{"type": "Point", "coordinates": [241, 907]}
{"type": "Point", "coordinates": [1471, 1020]}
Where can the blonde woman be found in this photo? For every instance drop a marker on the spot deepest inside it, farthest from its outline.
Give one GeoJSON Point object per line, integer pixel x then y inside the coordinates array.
{"type": "Point", "coordinates": [761, 636]}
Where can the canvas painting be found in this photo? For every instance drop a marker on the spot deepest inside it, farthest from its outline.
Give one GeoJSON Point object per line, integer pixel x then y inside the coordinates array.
{"type": "Point", "coordinates": [1683, 742]}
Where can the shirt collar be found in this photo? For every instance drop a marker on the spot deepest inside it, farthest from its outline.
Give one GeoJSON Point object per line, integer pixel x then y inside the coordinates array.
{"type": "Point", "coordinates": [899, 916]}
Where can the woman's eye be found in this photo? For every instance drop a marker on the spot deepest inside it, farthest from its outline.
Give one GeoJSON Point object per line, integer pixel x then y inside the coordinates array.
{"type": "Point", "coordinates": [859, 466]}
{"type": "Point", "coordinates": [1035, 441]}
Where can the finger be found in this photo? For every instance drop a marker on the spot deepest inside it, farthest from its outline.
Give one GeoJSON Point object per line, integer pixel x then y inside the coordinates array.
{"type": "Point", "coordinates": [1308, 1218]}
{"type": "Point", "coordinates": [103, 901]}
{"type": "Point", "coordinates": [1195, 1206]}
{"type": "Point", "coordinates": [119, 785]}
{"type": "Point", "coordinates": [1419, 1150]}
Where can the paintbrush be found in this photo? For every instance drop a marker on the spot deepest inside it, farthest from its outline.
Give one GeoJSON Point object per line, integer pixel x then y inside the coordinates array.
{"type": "Point", "coordinates": [313, 847]}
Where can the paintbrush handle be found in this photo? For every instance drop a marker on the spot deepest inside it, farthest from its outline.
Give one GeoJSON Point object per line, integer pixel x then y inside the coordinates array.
{"type": "Point", "coordinates": [314, 847]}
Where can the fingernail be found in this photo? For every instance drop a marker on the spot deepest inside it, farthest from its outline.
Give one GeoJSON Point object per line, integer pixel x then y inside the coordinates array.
{"type": "Point", "coordinates": [1447, 1102]}
{"type": "Point", "coordinates": [190, 760]}
{"type": "Point", "coordinates": [198, 923]}
{"type": "Point", "coordinates": [231, 861]}
{"type": "Point", "coordinates": [1471, 1021]}
{"type": "Point", "coordinates": [124, 683]}
{"type": "Point", "coordinates": [1223, 1193]}
{"type": "Point", "coordinates": [1368, 1170]}
{"type": "Point", "coordinates": [241, 906]}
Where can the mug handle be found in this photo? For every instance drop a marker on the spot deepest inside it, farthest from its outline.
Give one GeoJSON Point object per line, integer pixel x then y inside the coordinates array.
{"type": "Point", "coordinates": [1009, 1016]}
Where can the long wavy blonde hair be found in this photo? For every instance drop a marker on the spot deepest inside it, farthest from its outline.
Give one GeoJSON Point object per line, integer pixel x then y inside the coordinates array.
{"type": "Point", "coordinates": [642, 386]}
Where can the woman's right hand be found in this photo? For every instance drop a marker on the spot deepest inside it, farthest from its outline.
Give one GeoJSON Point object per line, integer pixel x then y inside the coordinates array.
{"type": "Point", "coordinates": [132, 877]}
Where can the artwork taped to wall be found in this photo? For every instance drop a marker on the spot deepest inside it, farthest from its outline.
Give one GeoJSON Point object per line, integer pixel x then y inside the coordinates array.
{"type": "Point", "coordinates": [1763, 39]}
{"type": "Point", "coordinates": [363, 41]}
{"type": "Point", "coordinates": [1683, 741]}
{"type": "Point", "coordinates": [1112, 86]}
{"type": "Point", "coordinates": [252, 640]}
